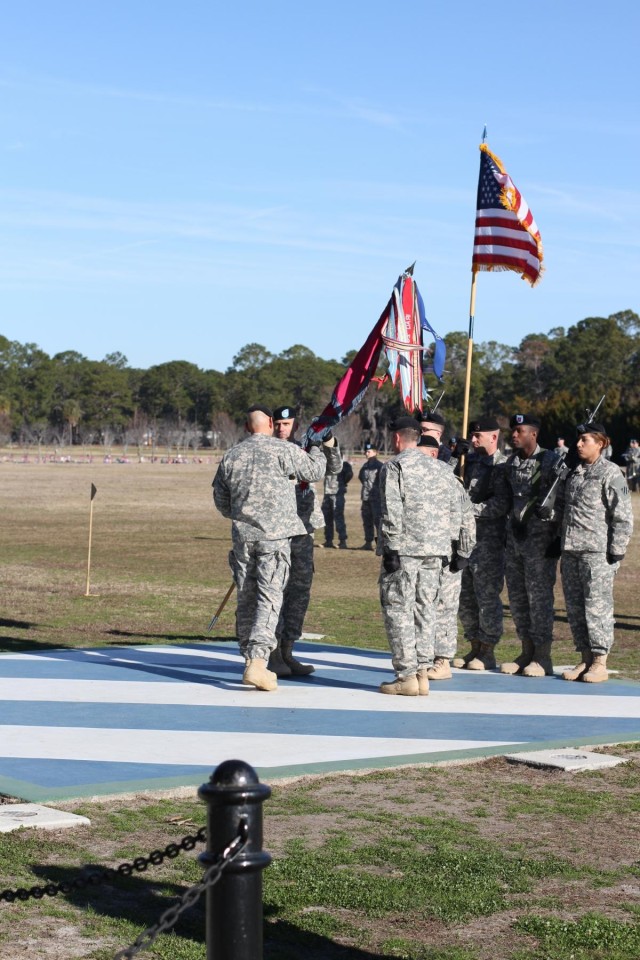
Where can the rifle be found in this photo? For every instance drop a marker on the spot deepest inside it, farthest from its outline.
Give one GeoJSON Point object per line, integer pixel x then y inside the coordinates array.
{"type": "Point", "coordinates": [562, 468]}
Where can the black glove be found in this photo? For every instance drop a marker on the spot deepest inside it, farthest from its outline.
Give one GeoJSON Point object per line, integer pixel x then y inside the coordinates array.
{"type": "Point", "coordinates": [615, 558]}
{"type": "Point", "coordinates": [519, 530]}
{"type": "Point", "coordinates": [553, 550]}
{"type": "Point", "coordinates": [543, 512]}
{"type": "Point", "coordinates": [458, 563]}
{"type": "Point", "coordinates": [391, 561]}
{"type": "Point", "coordinates": [462, 448]}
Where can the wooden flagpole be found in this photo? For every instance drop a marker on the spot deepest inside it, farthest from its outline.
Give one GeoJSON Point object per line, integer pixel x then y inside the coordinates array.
{"type": "Point", "coordinates": [467, 379]}
{"type": "Point", "coordinates": [93, 493]}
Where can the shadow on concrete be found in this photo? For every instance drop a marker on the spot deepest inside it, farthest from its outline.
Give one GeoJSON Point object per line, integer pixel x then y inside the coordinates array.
{"type": "Point", "coordinates": [193, 637]}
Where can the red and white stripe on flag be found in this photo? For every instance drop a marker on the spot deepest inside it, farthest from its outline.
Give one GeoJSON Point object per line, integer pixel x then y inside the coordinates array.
{"type": "Point", "coordinates": [506, 234]}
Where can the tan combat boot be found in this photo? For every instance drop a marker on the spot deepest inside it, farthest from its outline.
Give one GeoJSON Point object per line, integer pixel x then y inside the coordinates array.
{"type": "Point", "coordinates": [405, 687]}
{"type": "Point", "coordinates": [540, 665]}
{"type": "Point", "coordinates": [576, 672]}
{"type": "Point", "coordinates": [460, 662]}
{"type": "Point", "coordinates": [440, 670]}
{"type": "Point", "coordinates": [423, 682]}
{"type": "Point", "coordinates": [294, 666]}
{"type": "Point", "coordinates": [256, 675]}
{"type": "Point", "coordinates": [597, 672]}
{"type": "Point", "coordinates": [521, 661]}
{"type": "Point", "coordinates": [485, 659]}
{"type": "Point", "coordinates": [277, 664]}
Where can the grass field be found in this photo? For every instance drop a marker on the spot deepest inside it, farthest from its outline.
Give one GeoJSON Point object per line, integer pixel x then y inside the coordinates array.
{"type": "Point", "coordinates": [448, 863]}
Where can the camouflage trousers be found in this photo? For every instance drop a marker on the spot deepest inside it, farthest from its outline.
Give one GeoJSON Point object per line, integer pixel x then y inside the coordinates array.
{"type": "Point", "coordinates": [530, 580]}
{"type": "Point", "coordinates": [370, 513]}
{"type": "Point", "coordinates": [408, 600]}
{"type": "Point", "coordinates": [587, 582]}
{"type": "Point", "coordinates": [260, 570]}
{"type": "Point", "coordinates": [446, 633]}
{"type": "Point", "coordinates": [333, 513]}
{"type": "Point", "coordinates": [297, 592]}
{"type": "Point", "coordinates": [480, 602]}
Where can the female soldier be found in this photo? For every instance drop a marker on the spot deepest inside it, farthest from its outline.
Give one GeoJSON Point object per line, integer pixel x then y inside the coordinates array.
{"type": "Point", "coordinates": [596, 530]}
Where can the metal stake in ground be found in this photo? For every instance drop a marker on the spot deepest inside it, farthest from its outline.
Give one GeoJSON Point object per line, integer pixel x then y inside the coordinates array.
{"type": "Point", "coordinates": [234, 906]}
{"type": "Point", "coordinates": [93, 493]}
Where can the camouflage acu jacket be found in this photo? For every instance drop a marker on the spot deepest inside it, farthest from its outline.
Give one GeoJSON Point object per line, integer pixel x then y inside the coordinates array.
{"type": "Point", "coordinates": [597, 514]}
{"type": "Point", "coordinates": [308, 506]}
{"type": "Point", "coordinates": [254, 486]}
{"type": "Point", "coordinates": [421, 506]}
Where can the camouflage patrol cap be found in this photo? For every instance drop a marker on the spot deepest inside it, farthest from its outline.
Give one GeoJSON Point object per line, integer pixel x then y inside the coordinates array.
{"type": "Point", "coordinates": [524, 420]}
{"type": "Point", "coordinates": [284, 413]}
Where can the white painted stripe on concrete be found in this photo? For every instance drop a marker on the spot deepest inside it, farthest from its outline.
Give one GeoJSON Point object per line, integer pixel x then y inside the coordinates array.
{"type": "Point", "coordinates": [196, 748]}
{"type": "Point", "coordinates": [227, 693]}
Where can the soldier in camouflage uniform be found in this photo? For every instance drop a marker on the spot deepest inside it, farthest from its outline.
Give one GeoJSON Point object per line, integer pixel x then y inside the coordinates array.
{"type": "Point", "coordinates": [596, 529]}
{"type": "Point", "coordinates": [533, 547]}
{"type": "Point", "coordinates": [254, 487]}
{"type": "Point", "coordinates": [420, 516]}
{"type": "Point", "coordinates": [446, 630]}
{"type": "Point", "coordinates": [483, 580]}
{"type": "Point", "coordinates": [370, 495]}
{"type": "Point", "coordinates": [333, 502]}
{"type": "Point", "coordinates": [298, 590]}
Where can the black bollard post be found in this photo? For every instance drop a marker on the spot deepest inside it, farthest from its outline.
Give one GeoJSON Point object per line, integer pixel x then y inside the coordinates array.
{"type": "Point", "coordinates": [234, 904]}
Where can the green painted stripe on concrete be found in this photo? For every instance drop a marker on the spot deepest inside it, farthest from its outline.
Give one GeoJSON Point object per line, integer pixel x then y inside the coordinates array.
{"type": "Point", "coordinates": [35, 794]}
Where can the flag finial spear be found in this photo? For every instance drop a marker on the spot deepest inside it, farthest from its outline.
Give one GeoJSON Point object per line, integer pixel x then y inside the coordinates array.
{"type": "Point", "coordinates": [484, 134]}
{"type": "Point", "coordinates": [409, 270]}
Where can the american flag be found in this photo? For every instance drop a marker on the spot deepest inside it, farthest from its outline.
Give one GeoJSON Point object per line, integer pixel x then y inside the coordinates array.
{"type": "Point", "coordinates": [506, 237]}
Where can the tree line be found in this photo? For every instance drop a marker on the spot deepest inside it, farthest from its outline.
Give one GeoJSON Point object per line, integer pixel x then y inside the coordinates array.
{"type": "Point", "coordinates": [68, 399]}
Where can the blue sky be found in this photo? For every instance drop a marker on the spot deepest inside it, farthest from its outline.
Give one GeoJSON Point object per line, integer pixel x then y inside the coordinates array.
{"type": "Point", "coordinates": [178, 180]}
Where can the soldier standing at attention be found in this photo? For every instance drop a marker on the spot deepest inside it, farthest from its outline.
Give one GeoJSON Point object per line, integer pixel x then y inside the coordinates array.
{"type": "Point", "coordinates": [596, 529]}
{"type": "Point", "coordinates": [298, 590]}
{"type": "Point", "coordinates": [483, 579]}
{"type": "Point", "coordinates": [533, 547]}
{"type": "Point", "coordinates": [370, 495]}
{"type": "Point", "coordinates": [453, 566]}
{"type": "Point", "coordinates": [254, 487]}
{"type": "Point", "coordinates": [335, 491]}
{"type": "Point", "coordinates": [420, 516]}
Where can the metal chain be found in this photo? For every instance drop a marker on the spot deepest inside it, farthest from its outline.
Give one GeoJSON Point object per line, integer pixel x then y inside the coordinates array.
{"type": "Point", "coordinates": [210, 877]}
{"type": "Point", "coordinates": [92, 878]}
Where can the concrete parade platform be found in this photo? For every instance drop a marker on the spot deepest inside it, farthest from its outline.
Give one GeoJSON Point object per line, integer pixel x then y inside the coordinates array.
{"type": "Point", "coordinates": [79, 723]}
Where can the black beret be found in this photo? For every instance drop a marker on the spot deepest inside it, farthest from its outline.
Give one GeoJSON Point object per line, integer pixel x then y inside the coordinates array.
{"type": "Point", "coordinates": [428, 442]}
{"type": "Point", "coordinates": [483, 425]}
{"type": "Point", "coordinates": [434, 417]}
{"type": "Point", "coordinates": [369, 446]}
{"type": "Point", "coordinates": [591, 428]}
{"type": "Point", "coordinates": [404, 423]}
{"type": "Point", "coordinates": [260, 408]}
{"type": "Point", "coordinates": [284, 413]}
{"type": "Point", "coordinates": [524, 420]}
